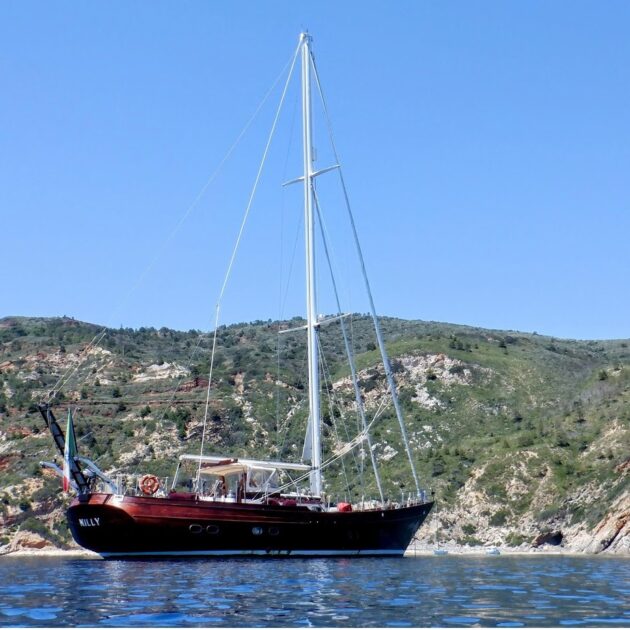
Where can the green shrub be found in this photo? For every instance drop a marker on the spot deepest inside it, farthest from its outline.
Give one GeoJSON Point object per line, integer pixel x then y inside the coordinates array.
{"type": "Point", "coordinates": [525, 440]}
{"type": "Point", "coordinates": [549, 512]}
{"type": "Point", "coordinates": [514, 539]}
{"type": "Point", "coordinates": [499, 518]}
{"type": "Point", "coordinates": [33, 525]}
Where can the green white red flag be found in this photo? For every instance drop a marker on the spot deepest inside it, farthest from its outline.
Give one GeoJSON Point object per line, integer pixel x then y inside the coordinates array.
{"type": "Point", "coordinates": [69, 451]}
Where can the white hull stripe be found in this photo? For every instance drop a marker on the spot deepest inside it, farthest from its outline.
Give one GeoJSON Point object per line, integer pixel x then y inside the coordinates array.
{"type": "Point", "coordinates": [262, 552]}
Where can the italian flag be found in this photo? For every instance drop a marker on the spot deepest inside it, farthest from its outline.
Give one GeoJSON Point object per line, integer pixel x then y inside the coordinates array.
{"type": "Point", "coordinates": [69, 451]}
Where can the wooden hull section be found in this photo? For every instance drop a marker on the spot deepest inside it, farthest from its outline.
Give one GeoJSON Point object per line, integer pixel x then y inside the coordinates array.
{"type": "Point", "coordinates": [119, 526]}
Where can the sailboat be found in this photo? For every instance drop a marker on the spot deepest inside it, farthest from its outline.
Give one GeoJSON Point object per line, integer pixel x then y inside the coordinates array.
{"type": "Point", "coordinates": [231, 506]}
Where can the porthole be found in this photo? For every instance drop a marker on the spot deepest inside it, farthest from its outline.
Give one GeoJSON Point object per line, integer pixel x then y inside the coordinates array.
{"type": "Point", "coordinates": [257, 531]}
{"type": "Point", "coordinates": [213, 529]}
{"type": "Point", "coordinates": [195, 528]}
{"type": "Point", "coordinates": [274, 531]}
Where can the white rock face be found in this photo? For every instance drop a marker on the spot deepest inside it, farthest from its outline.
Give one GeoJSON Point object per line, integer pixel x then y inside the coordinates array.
{"type": "Point", "coordinates": [388, 453]}
{"type": "Point", "coordinates": [417, 371]}
{"type": "Point", "coordinates": [157, 372]}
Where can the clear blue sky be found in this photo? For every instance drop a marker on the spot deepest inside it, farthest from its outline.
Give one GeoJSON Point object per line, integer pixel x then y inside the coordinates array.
{"type": "Point", "coordinates": [486, 146]}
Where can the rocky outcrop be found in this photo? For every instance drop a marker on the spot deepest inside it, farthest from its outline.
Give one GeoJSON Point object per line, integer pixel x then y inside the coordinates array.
{"type": "Point", "coordinates": [548, 538]}
{"type": "Point", "coordinates": [28, 541]}
{"type": "Point", "coordinates": [612, 534]}
{"type": "Point", "coordinates": [478, 519]}
{"type": "Point", "coordinates": [162, 371]}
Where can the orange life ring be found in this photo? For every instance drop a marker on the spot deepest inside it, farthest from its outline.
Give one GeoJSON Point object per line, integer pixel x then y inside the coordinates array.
{"type": "Point", "coordinates": [149, 484]}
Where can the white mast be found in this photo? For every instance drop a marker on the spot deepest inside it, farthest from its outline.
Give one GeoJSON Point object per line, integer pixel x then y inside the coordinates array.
{"type": "Point", "coordinates": [311, 305]}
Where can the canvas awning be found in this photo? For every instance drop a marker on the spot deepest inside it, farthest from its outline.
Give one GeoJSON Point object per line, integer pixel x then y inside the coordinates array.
{"type": "Point", "coordinates": [222, 470]}
{"type": "Point", "coordinates": [209, 459]}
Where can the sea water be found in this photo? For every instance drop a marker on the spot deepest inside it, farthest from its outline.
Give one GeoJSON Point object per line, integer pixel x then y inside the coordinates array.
{"type": "Point", "coordinates": [455, 591]}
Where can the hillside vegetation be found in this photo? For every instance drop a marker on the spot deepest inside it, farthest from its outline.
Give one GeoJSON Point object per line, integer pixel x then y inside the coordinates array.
{"type": "Point", "coordinates": [520, 436]}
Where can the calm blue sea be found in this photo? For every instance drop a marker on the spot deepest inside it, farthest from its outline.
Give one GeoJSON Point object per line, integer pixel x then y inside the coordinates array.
{"type": "Point", "coordinates": [505, 592]}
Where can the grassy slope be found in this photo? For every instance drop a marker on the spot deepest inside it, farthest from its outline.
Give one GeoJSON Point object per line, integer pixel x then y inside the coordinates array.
{"type": "Point", "coordinates": [533, 437]}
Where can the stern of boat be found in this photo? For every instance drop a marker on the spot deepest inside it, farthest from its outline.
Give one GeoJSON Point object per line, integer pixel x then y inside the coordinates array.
{"type": "Point", "coordinates": [97, 523]}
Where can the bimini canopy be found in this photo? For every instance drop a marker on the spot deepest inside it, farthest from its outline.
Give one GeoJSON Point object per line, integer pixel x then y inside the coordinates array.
{"type": "Point", "coordinates": [222, 470]}
{"type": "Point", "coordinates": [227, 461]}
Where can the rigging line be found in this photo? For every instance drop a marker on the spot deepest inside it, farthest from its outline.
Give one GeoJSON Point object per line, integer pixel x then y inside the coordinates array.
{"type": "Point", "coordinates": [282, 209]}
{"type": "Point", "coordinates": [363, 435]}
{"type": "Point", "coordinates": [298, 373]}
{"type": "Point", "coordinates": [69, 373]}
{"type": "Point", "coordinates": [209, 181]}
{"type": "Point", "coordinates": [284, 300]}
{"type": "Point", "coordinates": [377, 328]}
{"type": "Point", "coordinates": [331, 460]}
{"type": "Point", "coordinates": [236, 246]}
{"type": "Point", "coordinates": [362, 457]}
{"type": "Point", "coordinates": [62, 382]}
{"type": "Point", "coordinates": [381, 409]}
{"type": "Point", "coordinates": [278, 389]}
{"type": "Point", "coordinates": [331, 407]}
{"type": "Point", "coordinates": [299, 403]}
{"type": "Point", "coordinates": [283, 426]}
{"type": "Point", "coordinates": [353, 371]}
{"type": "Point", "coordinates": [333, 401]}
{"type": "Point", "coordinates": [160, 421]}
{"type": "Point", "coordinates": [207, 405]}
{"type": "Point", "coordinates": [82, 381]}
{"type": "Point", "coordinates": [335, 404]}
{"type": "Point", "coordinates": [280, 280]}
{"type": "Point", "coordinates": [168, 402]}
{"type": "Point", "coordinates": [299, 230]}
{"type": "Point", "coordinates": [255, 186]}
{"type": "Point", "coordinates": [200, 339]}
{"type": "Point", "coordinates": [138, 401]}
{"type": "Point", "coordinates": [333, 398]}
{"type": "Point", "coordinates": [359, 422]}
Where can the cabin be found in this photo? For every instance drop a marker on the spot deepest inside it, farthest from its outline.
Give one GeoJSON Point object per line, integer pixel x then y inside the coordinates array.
{"type": "Point", "coordinates": [233, 480]}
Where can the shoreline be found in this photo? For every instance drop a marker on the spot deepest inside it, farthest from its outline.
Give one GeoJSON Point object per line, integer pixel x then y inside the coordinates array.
{"type": "Point", "coordinates": [419, 552]}
{"type": "Point", "coordinates": [51, 553]}
{"type": "Point", "coordinates": [447, 549]}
